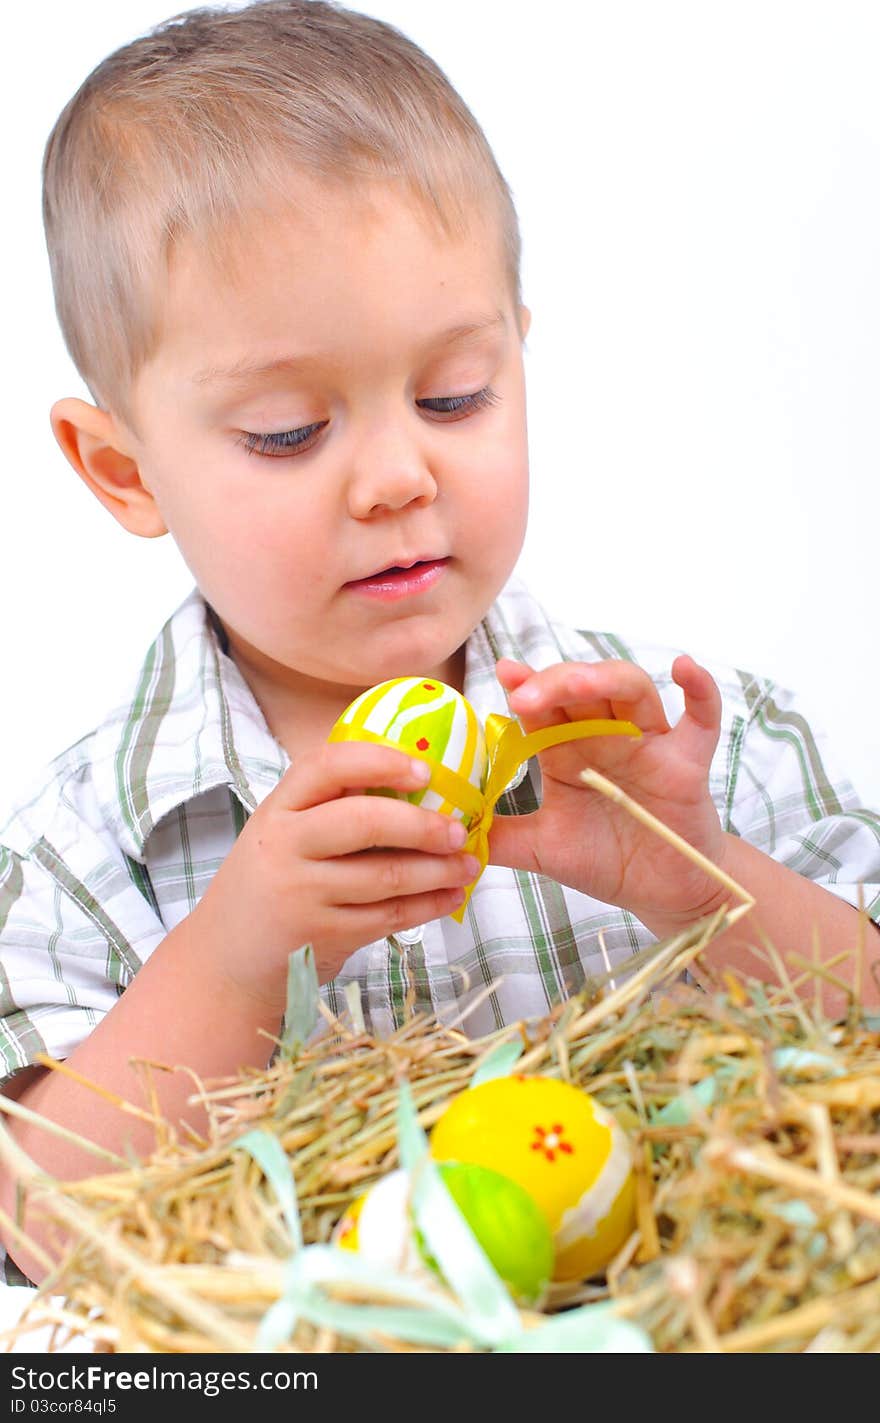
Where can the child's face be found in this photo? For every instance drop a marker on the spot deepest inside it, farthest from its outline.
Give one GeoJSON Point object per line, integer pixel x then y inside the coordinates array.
{"type": "Point", "coordinates": [386, 424]}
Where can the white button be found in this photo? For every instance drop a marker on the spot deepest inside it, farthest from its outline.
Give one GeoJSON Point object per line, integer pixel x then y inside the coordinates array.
{"type": "Point", "coordinates": [409, 936]}
{"type": "Point", "coordinates": [522, 772]}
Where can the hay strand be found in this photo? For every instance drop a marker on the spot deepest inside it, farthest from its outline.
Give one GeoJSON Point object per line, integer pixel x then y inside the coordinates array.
{"type": "Point", "coordinates": [755, 1124]}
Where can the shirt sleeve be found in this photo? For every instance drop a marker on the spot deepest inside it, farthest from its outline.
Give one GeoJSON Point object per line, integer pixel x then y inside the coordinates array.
{"type": "Point", "coordinates": [791, 799]}
{"type": "Point", "coordinates": [71, 939]}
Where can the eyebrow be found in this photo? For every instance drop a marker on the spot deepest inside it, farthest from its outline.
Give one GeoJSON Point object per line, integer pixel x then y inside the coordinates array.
{"type": "Point", "coordinates": [250, 368]}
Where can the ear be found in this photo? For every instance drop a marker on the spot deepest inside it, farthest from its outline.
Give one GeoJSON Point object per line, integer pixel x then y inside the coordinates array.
{"type": "Point", "coordinates": [98, 448]}
{"type": "Point", "coordinates": [525, 321]}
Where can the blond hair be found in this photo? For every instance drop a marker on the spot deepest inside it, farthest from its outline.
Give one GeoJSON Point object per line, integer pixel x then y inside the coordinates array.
{"type": "Point", "coordinates": [188, 129]}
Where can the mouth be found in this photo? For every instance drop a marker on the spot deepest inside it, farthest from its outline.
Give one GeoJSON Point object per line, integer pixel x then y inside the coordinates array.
{"type": "Point", "coordinates": [404, 566]}
{"type": "Point", "coordinates": [401, 580]}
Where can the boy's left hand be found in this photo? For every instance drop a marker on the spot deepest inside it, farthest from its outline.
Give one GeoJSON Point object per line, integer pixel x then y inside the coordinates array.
{"type": "Point", "coordinates": [580, 837]}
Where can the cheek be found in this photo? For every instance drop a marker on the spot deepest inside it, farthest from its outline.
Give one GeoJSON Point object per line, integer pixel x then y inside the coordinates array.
{"type": "Point", "coordinates": [496, 482]}
{"type": "Point", "coordinates": [258, 520]}
{"type": "Point", "coordinates": [508, 514]}
{"type": "Point", "coordinates": [493, 530]}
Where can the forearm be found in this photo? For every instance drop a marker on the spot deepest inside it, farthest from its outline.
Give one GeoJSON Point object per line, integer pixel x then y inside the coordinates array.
{"type": "Point", "coordinates": [797, 917]}
{"type": "Point", "coordinates": [176, 1012]}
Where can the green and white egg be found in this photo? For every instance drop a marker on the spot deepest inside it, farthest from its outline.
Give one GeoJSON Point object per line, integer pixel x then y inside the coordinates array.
{"type": "Point", "coordinates": [427, 719]}
{"type": "Point", "coordinates": [507, 1223]}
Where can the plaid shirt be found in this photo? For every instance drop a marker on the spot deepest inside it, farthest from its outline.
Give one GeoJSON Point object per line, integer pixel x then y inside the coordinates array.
{"type": "Point", "coordinates": [122, 838]}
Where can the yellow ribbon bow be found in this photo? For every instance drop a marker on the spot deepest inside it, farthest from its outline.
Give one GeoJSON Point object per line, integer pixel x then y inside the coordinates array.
{"type": "Point", "coordinates": [508, 746]}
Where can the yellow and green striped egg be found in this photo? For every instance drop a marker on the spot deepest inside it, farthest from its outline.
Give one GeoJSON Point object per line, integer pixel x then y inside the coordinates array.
{"type": "Point", "coordinates": [428, 719]}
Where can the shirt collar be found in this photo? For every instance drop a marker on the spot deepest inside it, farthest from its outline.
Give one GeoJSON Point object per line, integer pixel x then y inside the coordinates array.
{"type": "Point", "coordinates": [192, 723]}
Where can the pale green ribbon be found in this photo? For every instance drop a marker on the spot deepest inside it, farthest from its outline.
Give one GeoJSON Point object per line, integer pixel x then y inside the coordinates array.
{"type": "Point", "coordinates": [474, 1307]}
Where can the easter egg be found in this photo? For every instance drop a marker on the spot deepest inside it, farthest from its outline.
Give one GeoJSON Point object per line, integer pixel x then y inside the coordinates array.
{"type": "Point", "coordinates": [506, 1221]}
{"type": "Point", "coordinates": [560, 1145]}
{"type": "Point", "coordinates": [345, 1234]}
{"type": "Point", "coordinates": [378, 1225]}
{"type": "Point", "coordinates": [427, 719]}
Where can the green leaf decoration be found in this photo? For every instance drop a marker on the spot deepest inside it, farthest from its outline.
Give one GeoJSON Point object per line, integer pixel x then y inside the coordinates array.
{"type": "Point", "coordinates": [592, 1329]}
{"type": "Point", "coordinates": [417, 1311]}
{"type": "Point", "coordinates": [796, 1213]}
{"type": "Point", "coordinates": [352, 995]}
{"type": "Point", "coordinates": [279, 1322]}
{"type": "Point", "coordinates": [475, 1310]}
{"type": "Point", "coordinates": [270, 1156]}
{"type": "Point", "coordinates": [301, 1014]}
{"type": "Point", "coordinates": [500, 1062]}
{"type": "Point", "coordinates": [450, 1240]}
{"type": "Point", "coordinates": [680, 1110]}
{"type": "Point", "coordinates": [796, 1058]}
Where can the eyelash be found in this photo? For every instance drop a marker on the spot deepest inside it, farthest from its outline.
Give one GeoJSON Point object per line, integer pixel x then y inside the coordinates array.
{"type": "Point", "coordinates": [287, 442]}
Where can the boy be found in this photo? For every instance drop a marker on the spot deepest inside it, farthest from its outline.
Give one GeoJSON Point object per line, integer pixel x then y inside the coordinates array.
{"type": "Point", "coordinates": [286, 265]}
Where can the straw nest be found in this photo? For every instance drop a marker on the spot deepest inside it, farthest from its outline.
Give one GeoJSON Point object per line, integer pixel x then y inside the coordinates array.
{"type": "Point", "coordinates": [755, 1124]}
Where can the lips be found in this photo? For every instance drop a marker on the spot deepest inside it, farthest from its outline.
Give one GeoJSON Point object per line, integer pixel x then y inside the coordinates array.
{"type": "Point", "coordinates": [401, 566]}
{"type": "Point", "coordinates": [400, 581]}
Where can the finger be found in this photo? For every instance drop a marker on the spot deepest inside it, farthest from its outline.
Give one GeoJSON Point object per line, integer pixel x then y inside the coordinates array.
{"type": "Point", "coordinates": [375, 879]}
{"type": "Point", "coordinates": [375, 921]}
{"type": "Point", "coordinates": [700, 723]}
{"type": "Point", "coordinates": [337, 768]}
{"type": "Point", "coordinates": [367, 822]}
{"type": "Point", "coordinates": [702, 699]}
{"type": "Point", "coordinates": [511, 674]}
{"type": "Point", "coordinates": [572, 691]}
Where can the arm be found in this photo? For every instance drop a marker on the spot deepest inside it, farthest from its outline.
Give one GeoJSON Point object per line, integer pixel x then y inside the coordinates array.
{"type": "Point", "coordinates": [175, 1011]}
{"type": "Point", "coordinates": [304, 869]}
{"type": "Point", "coordinates": [582, 839]}
{"type": "Point", "coordinates": [792, 914]}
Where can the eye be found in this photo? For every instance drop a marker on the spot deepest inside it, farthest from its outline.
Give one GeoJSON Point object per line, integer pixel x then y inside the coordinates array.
{"type": "Point", "coordinates": [284, 442]}
{"type": "Point", "coordinates": [456, 407]}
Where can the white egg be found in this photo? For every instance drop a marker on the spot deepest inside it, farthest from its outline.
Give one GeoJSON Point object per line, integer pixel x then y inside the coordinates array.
{"type": "Point", "coordinates": [384, 1227]}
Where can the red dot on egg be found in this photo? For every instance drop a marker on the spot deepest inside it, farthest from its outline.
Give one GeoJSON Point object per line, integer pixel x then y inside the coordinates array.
{"type": "Point", "coordinates": [422, 744]}
{"type": "Point", "coordinates": [429, 686]}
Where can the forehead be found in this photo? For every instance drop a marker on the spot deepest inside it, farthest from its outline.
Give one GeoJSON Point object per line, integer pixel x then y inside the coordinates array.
{"type": "Point", "coordinates": [319, 214]}
{"type": "Point", "coordinates": [341, 265]}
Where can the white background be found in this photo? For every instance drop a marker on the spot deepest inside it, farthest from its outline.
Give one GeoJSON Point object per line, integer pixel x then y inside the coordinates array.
{"type": "Point", "coordinates": [699, 191]}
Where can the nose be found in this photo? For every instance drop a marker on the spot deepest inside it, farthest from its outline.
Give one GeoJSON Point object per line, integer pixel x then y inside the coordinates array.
{"type": "Point", "coordinates": [389, 472]}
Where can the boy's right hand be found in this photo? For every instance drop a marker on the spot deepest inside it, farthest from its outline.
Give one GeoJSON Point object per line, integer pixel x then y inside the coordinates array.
{"type": "Point", "coordinates": [320, 862]}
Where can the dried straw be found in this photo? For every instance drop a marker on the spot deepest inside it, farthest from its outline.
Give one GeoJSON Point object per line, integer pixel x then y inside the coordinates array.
{"type": "Point", "coordinates": [755, 1124]}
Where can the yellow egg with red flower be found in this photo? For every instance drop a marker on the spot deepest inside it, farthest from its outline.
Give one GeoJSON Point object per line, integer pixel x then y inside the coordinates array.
{"type": "Point", "coordinates": [563, 1147]}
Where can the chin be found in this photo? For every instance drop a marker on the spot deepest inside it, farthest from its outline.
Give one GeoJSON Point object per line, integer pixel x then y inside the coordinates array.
{"type": "Point", "coordinates": [416, 660]}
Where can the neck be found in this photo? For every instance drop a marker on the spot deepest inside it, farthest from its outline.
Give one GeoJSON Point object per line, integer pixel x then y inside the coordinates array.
{"type": "Point", "coordinates": [301, 711]}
